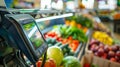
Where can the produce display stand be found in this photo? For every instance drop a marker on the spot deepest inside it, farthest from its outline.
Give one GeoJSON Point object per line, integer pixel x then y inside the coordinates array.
{"type": "Point", "coordinates": [99, 62]}
{"type": "Point", "coordinates": [80, 51]}
{"type": "Point", "coordinates": [90, 57]}
{"type": "Point", "coordinates": [81, 48]}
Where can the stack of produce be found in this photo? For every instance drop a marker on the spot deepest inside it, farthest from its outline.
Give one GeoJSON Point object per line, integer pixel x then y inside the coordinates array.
{"type": "Point", "coordinates": [62, 34]}
{"type": "Point", "coordinates": [81, 22]}
{"type": "Point", "coordinates": [55, 58]}
{"type": "Point", "coordinates": [99, 49]}
{"type": "Point", "coordinates": [103, 37]}
{"type": "Point", "coordinates": [63, 41]}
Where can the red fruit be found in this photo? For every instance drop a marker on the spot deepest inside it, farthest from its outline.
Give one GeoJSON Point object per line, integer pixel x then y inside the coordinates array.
{"type": "Point", "coordinates": [100, 52]}
{"type": "Point", "coordinates": [96, 53]}
{"type": "Point", "coordinates": [86, 65]}
{"type": "Point", "coordinates": [118, 53]}
{"type": "Point", "coordinates": [115, 48]}
{"type": "Point", "coordinates": [101, 45]}
{"type": "Point", "coordinates": [48, 63]}
{"type": "Point", "coordinates": [111, 54]}
{"type": "Point", "coordinates": [59, 39]}
{"type": "Point", "coordinates": [110, 48]}
{"type": "Point", "coordinates": [113, 59]}
{"type": "Point", "coordinates": [95, 49]}
{"type": "Point", "coordinates": [52, 63]}
{"type": "Point", "coordinates": [106, 49]}
{"type": "Point", "coordinates": [104, 56]}
{"type": "Point", "coordinates": [94, 42]}
{"type": "Point", "coordinates": [117, 58]}
{"type": "Point", "coordinates": [93, 46]}
{"type": "Point", "coordinates": [118, 61]}
{"type": "Point", "coordinates": [38, 64]}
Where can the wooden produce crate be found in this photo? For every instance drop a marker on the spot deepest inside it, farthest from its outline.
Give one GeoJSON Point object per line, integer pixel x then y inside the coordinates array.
{"type": "Point", "coordinates": [90, 38]}
{"type": "Point", "coordinates": [100, 62]}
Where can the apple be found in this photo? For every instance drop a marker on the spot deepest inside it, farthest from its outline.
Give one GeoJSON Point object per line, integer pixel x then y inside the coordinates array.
{"type": "Point", "coordinates": [110, 48]}
{"type": "Point", "coordinates": [101, 45]}
{"type": "Point", "coordinates": [111, 54]}
{"type": "Point", "coordinates": [94, 42]}
{"type": "Point", "coordinates": [56, 54]}
{"type": "Point", "coordinates": [114, 48]}
{"type": "Point", "coordinates": [113, 59]}
{"type": "Point", "coordinates": [117, 58]}
{"type": "Point", "coordinates": [49, 63]}
{"type": "Point", "coordinates": [96, 53]}
{"type": "Point", "coordinates": [118, 54]}
{"type": "Point", "coordinates": [100, 52]}
{"type": "Point", "coordinates": [104, 55]}
{"type": "Point", "coordinates": [95, 49]}
{"type": "Point", "coordinates": [106, 49]}
{"type": "Point", "coordinates": [118, 61]}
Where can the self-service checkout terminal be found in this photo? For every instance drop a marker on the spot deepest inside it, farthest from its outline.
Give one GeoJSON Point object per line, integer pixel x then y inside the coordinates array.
{"type": "Point", "coordinates": [22, 32]}
{"type": "Point", "coordinates": [28, 36]}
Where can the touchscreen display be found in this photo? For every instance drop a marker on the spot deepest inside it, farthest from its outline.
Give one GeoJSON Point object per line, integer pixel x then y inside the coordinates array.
{"type": "Point", "coordinates": [33, 34]}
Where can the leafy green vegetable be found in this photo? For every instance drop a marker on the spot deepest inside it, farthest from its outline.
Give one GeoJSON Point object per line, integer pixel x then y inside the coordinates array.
{"type": "Point", "coordinates": [80, 19]}
{"type": "Point", "coordinates": [76, 33]}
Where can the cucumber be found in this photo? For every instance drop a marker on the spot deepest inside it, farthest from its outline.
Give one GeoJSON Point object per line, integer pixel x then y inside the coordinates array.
{"type": "Point", "coordinates": [49, 45]}
{"type": "Point", "coordinates": [71, 53]}
{"type": "Point", "coordinates": [48, 40]}
{"type": "Point", "coordinates": [53, 41]}
{"type": "Point", "coordinates": [58, 44]}
{"type": "Point", "coordinates": [64, 46]}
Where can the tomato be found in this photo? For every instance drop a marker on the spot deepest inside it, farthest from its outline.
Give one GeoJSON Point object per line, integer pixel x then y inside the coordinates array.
{"type": "Point", "coordinates": [74, 45]}
{"type": "Point", "coordinates": [65, 41]}
{"type": "Point", "coordinates": [59, 39]}
{"type": "Point", "coordinates": [76, 42]}
{"type": "Point", "coordinates": [51, 34]}
{"type": "Point", "coordinates": [70, 38]}
{"type": "Point", "coordinates": [39, 63]}
{"type": "Point", "coordinates": [48, 63]}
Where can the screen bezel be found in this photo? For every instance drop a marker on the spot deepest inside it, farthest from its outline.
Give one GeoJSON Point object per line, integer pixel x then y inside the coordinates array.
{"type": "Point", "coordinates": [26, 22]}
{"type": "Point", "coordinates": [17, 22]}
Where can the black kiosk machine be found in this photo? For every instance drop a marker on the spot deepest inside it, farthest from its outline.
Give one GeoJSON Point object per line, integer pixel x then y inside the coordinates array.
{"type": "Point", "coordinates": [30, 40]}
{"type": "Point", "coordinates": [22, 32]}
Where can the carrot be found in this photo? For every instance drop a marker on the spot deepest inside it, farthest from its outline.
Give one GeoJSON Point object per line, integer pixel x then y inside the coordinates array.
{"type": "Point", "coordinates": [79, 26]}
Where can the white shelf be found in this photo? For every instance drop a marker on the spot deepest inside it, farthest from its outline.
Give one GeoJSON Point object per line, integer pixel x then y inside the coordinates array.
{"type": "Point", "coordinates": [54, 17]}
